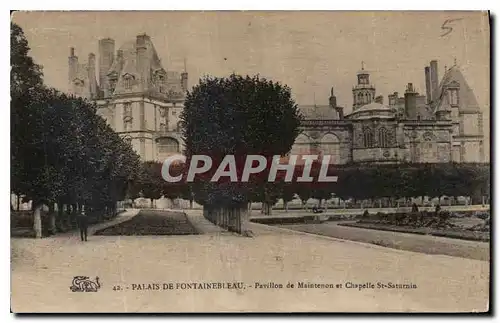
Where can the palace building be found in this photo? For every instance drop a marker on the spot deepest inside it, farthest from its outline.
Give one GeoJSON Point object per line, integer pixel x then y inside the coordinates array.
{"type": "Point", "coordinates": [137, 96]}
{"type": "Point", "coordinates": [141, 100]}
{"type": "Point", "coordinates": [444, 125]}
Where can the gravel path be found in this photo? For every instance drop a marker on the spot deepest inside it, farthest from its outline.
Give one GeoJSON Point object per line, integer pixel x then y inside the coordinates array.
{"type": "Point", "coordinates": [43, 270]}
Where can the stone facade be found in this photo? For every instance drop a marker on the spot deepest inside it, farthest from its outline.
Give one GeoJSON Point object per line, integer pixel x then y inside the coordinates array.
{"type": "Point", "coordinates": [443, 126]}
{"type": "Point", "coordinates": [135, 94]}
{"type": "Point", "coordinates": [142, 101]}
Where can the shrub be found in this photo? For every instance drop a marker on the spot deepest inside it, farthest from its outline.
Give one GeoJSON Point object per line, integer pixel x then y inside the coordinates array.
{"type": "Point", "coordinates": [482, 215]}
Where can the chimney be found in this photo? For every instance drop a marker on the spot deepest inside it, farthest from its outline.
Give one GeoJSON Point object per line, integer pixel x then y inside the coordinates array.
{"type": "Point", "coordinates": [434, 78]}
{"type": "Point", "coordinates": [92, 76]}
{"type": "Point", "coordinates": [184, 81]}
{"type": "Point", "coordinates": [106, 57]}
{"type": "Point", "coordinates": [379, 99]}
{"type": "Point", "coordinates": [393, 98]}
{"type": "Point", "coordinates": [72, 67]}
{"type": "Point", "coordinates": [143, 63]}
{"type": "Point", "coordinates": [410, 102]}
{"type": "Point", "coordinates": [428, 91]}
{"type": "Point", "coordinates": [340, 112]}
{"type": "Point", "coordinates": [332, 99]}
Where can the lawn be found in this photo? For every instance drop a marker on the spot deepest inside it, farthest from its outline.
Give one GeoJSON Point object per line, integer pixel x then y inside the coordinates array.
{"type": "Point", "coordinates": [152, 222]}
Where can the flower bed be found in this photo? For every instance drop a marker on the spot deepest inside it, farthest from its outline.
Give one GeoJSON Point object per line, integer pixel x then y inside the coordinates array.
{"type": "Point", "coordinates": [441, 224]}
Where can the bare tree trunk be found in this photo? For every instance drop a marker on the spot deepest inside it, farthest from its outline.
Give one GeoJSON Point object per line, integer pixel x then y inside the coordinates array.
{"type": "Point", "coordinates": [269, 209]}
{"type": "Point", "coordinates": [285, 204]}
{"type": "Point", "coordinates": [52, 217]}
{"type": "Point", "coordinates": [244, 219]}
{"type": "Point", "coordinates": [37, 219]}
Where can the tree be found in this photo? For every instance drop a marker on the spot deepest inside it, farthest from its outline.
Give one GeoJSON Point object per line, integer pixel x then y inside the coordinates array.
{"type": "Point", "coordinates": [237, 116]}
{"type": "Point", "coordinates": [288, 193]}
{"type": "Point", "coordinates": [62, 152]}
{"type": "Point", "coordinates": [152, 183]}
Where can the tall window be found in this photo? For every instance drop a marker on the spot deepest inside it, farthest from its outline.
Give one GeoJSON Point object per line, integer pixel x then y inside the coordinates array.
{"type": "Point", "coordinates": [161, 83]}
{"type": "Point", "coordinates": [301, 145]}
{"type": "Point", "coordinates": [383, 137]}
{"type": "Point", "coordinates": [128, 80]}
{"type": "Point", "coordinates": [330, 145]}
{"type": "Point", "coordinates": [454, 97]}
{"type": "Point", "coordinates": [167, 145]}
{"type": "Point", "coordinates": [127, 109]}
{"type": "Point", "coordinates": [368, 138]}
{"type": "Point", "coordinates": [112, 84]}
{"type": "Point", "coordinates": [127, 123]}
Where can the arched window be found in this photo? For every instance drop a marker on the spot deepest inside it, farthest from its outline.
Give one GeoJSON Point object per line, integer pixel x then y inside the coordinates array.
{"type": "Point", "coordinates": [383, 138]}
{"type": "Point", "coordinates": [368, 138]}
{"type": "Point", "coordinates": [330, 145]}
{"type": "Point", "coordinates": [167, 145]}
{"type": "Point", "coordinates": [127, 81]}
{"type": "Point", "coordinates": [301, 145]}
{"type": "Point", "coordinates": [428, 148]}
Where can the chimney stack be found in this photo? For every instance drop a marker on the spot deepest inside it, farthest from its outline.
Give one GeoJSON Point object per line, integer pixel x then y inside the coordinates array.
{"type": "Point", "coordinates": [92, 76]}
{"type": "Point", "coordinates": [340, 112]}
{"type": "Point", "coordinates": [143, 63]}
{"type": "Point", "coordinates": [393, 98]}
{"type": "Point", "coordinates": [332, 100]}
{"type": "Point", "coordinates": [72, 67]}
{"type": "Point", "coordinates": [434, 78]}
{"type": "Point", "coordinates": [106, 57]}
{"type": "Point", "coordinates": [410, 102]}
{"type": "Point", "coordinates": [428, 90]}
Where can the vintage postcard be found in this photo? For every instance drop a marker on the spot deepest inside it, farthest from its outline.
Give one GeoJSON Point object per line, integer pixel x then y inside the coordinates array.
{"type": "Point", "coordinates": [253, 161]}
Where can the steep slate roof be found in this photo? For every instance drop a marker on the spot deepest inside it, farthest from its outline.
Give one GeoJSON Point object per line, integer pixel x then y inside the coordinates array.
{"type": "Point", "coordinates": [128, 63]}
{"type": "Point", "coordinates": [466, 97]}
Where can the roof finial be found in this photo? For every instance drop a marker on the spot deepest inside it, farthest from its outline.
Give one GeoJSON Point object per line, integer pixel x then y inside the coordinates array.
{"type": "Point", "coordinates": [362, 65]}
{"type": "Point", "coordinates": [331, 91]}
{"type": "Point", "coordinates": [314, 99]}
{"type": "Point", "coordinates": [454, 61]}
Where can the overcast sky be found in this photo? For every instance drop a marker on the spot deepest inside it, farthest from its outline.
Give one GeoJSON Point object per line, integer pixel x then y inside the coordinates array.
{"type": "Point", "coordinates": [309, 51]}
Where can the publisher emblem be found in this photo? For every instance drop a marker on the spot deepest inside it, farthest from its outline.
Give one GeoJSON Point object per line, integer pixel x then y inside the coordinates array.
{"type": "Point", "coordinates": [84, 284]}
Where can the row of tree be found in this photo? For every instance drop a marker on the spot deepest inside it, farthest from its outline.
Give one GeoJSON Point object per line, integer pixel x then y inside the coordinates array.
{"type": "Point", "coordinates": [62, 152]}
{"type": "Point", "coordinates": [354, 182]}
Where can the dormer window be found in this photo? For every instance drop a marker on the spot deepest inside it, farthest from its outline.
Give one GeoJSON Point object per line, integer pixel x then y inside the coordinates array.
{"type": "Point", "coordinates": [128, 81]}
{"type": "Point", "coordinates": [454, 96]}
{"type": "Point", "coordinates": [112, 77]}
{"type": "Point", "coordinates": [160, 79]}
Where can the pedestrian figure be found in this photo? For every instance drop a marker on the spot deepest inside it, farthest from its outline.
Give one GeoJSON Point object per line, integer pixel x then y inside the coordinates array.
{"type": "Point", "coordinates": [83, 225]}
